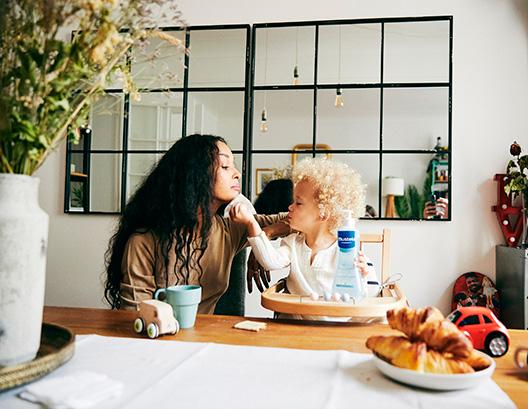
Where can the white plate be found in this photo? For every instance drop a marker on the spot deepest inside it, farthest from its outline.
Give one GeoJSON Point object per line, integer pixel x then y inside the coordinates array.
{"type": "Point", "coordinates": [440, 382]}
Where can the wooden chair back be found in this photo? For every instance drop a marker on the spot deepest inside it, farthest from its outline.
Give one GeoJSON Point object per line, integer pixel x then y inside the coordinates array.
{"type": "Point", "coordinates": [384, 240]}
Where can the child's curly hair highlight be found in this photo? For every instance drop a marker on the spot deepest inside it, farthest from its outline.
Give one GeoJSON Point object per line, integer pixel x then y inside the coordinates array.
{"type": "Point", "coordinates": [337, 187]}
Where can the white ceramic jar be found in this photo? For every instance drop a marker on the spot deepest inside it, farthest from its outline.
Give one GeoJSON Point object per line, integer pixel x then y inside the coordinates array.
{"type": "Point", "coordinates": [23, 244]}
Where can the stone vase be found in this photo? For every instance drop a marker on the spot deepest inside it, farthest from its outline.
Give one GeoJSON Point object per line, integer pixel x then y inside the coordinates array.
{"type": "Point", "coordinates": [23, 244]}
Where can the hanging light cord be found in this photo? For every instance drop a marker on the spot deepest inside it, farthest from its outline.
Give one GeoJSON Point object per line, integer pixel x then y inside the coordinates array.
{"type": "Point", "coordinates": [297, 47]}
{"type": "Point", "coordinates": [266, 69]}
{"type": "Point", "coordinates": [339, 54]}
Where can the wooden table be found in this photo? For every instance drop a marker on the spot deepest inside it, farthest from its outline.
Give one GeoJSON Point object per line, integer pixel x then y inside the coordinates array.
{"type": "Point", "coordinates": [282, 334]}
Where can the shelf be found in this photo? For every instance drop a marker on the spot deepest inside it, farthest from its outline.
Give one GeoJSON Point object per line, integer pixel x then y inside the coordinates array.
{"type": "Point", "coordinates": [78, 177]}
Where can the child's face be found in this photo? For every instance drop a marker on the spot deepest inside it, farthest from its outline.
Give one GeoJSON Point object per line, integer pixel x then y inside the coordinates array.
{"type": "Point", "coordinates": [304, 211]}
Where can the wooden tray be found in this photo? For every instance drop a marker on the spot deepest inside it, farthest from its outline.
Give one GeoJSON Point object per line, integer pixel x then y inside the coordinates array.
{"type": "Point", "coordinates": [56, 348]}
{"type": "Point", "coordinates": [369, 307]}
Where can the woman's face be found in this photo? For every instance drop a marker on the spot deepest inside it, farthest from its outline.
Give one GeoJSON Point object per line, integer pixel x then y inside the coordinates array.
{"type": "Point", "coordinates": [304, 211]}
{"type": "Point", "coordinates": [227, 177]}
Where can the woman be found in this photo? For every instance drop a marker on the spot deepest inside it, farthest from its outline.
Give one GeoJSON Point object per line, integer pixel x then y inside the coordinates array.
{"type": "Point", "coordinates": [169, 232]}
{"type": "Point", "coordinates": [276, 197]}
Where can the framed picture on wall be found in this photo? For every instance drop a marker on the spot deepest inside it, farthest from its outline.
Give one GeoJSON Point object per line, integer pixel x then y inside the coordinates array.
{"type": "Point", "coordinates": [304, 150]}
{"type": "Point", "coordinates": [263, 176]}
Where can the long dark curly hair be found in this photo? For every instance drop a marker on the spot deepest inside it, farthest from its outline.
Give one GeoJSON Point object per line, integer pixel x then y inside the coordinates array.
{"type": "Point", "coordinates": [168, 204]}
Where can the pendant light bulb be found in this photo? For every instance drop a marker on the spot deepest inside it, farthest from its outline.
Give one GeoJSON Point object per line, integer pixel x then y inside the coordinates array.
{"type": "Point", "coordinates": [264, 121]}
{"type": "Point", "coordinates": [296, 75]}
{"type": "Point", "coordinates": [339, 98]}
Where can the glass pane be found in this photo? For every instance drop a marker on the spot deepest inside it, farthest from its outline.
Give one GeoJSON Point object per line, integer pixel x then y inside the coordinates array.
{"type": "Point", "coordinates": [279, 50]}
{"type": "Point", "coordinates": [159, 64]}
{"type": "Point", "coordinates": [77, 165]}
{"type": "Point", "coordinates": [217, 58]}
{"type": "Point", "coordinates": [107, 122]}
{"type": "Point", "coordinates": [105, 182]}
{"type": "Point", "coordinates": [419, 177]}
{"type": "Point", "coordinates": [266, 167]}
{"type": "Point", "coordinates": [355, 125]}
{"type": "Point", "coordinates": [349, 54]}
{"type": "Point", "coordinates": [413, 118]}
{"type": "Point", "coordinates": [217, 113]}
{"type": "Point", "coordinates": [78, 183]}
{"type": "Point", "coordinates": [139, 165]}
{"type": "Point", "coordinates": [155, 121]}
{"type": "Point", "coordinates": [368, 167]}
{"type": "Point", "coordinates": [416, 52]}
{"type": "Point", "coordinates": [289, 119]}
{"type": "Point", "coordinates": [238, 161]}
{"type": "Point", "coordinates": [77, 196]}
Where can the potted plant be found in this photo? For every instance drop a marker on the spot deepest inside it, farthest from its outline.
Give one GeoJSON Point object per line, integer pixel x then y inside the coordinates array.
{"type": "Point", "coordinates": [49, 76]}
{"type": "Point", "coordinates": [517, 185]}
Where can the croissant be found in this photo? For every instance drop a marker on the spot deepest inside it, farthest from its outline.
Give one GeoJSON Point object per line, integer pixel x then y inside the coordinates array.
{"type": "Point", "coordinates": [435, 362]}
{"type": "Point", "coordinates": [477, 361]}
{"type": "Point", "coordinates": [428, 325]}
{"type": "Point", "coordinates": [445, 337]}
{"type": "Point", "coordinates": [410, 321]}
{"type": "Point", "coordinates": [401, 352]}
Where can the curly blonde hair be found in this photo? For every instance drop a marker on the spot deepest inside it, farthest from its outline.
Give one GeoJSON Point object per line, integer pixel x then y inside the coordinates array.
{"type": "Point", "coordinates": [337, 187]}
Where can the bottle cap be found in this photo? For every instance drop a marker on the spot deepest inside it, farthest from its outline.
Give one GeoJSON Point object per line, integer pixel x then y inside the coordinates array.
{"type": "Point", "coordinates": [348, 219]}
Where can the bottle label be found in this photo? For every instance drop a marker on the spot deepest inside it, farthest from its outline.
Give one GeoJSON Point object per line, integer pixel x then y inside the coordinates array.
{"type": "Point", "coordinates": [346, 239]}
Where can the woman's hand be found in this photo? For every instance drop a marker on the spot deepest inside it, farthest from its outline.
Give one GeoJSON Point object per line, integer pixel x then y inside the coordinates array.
{"type": "Point", "coordinates": [257, 273]}
{"type": "Point", "coordinates": [362, 264]}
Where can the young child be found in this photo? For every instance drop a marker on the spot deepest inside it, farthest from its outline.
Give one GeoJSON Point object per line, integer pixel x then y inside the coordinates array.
{"type": "Point", "coordinates": [322, 189]}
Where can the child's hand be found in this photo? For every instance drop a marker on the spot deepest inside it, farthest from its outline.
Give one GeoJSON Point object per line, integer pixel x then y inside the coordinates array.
{"type": "Point", "coordinates": [240, 214]}
{"type": "Point", "coordinates": [361, 264]}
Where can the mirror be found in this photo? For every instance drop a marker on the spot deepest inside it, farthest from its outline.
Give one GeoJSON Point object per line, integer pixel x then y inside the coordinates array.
{"type": "Point", "coordinates": [381, 101]}
{"type": "Point", "coordinates": [375, 92]}
{"type": "Point", "coordinates": [279, 50]}
{"type": "Point", "coordinates": [417, 51]}
{"type": "Point", "coordinates": [349, 53]}
{"type": "Point", "coordinates": [155, 121]}
{"type": "Point", "coordinates": [217, 58]}
{"type": "Point", "coordinates": [289, 118]}
{"type": "Point", "coordinates": [217, 113]}
{"type": "Point", "coordinates": [158, 64]}
{"type": "Point", "coordinates": [354, 125]}
{"type": "Point", "coordinates": [129, 135]}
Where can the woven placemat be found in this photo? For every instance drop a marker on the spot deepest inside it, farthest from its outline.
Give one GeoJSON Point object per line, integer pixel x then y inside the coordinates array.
{"type": "Point", "coordinates": [57, 345]}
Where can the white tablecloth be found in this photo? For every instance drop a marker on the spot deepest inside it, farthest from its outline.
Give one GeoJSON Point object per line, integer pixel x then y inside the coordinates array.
{"type": "Point", "coordinates": [183, 375]}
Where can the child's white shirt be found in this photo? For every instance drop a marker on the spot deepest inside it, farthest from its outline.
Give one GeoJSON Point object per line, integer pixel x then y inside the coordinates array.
{"type": "Point", "coordinates": [305, 277]}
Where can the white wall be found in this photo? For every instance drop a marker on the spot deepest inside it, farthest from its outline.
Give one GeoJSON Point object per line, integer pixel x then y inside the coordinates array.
{"type": "Point", "coordinates": [490, 96]}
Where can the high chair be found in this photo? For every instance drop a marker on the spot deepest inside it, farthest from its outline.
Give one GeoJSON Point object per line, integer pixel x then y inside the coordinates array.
{"type": "Point", "coordinates": [390, 295]}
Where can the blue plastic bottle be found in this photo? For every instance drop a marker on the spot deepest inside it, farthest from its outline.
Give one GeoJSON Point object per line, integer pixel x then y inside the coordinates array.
{"type": "Point", "coordinates": [347, 279]}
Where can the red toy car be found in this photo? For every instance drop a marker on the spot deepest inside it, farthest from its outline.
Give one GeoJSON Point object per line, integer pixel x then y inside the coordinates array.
{"type": "Point", "coordinates": [483, 329]}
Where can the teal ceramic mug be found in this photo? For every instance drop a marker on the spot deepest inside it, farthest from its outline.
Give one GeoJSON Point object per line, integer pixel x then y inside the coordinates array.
{"type": "Point", "coordinates": [184, 300]}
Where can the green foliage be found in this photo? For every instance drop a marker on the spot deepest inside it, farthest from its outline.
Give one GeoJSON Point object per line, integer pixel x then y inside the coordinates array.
{"type": "Point", "coordinates": [517, 171]}
{"type": "Point", "coordinates": [411, 204]}
{"type": "Point", "coordinates": [47, 84]}
{"type": "Point", "coordinates": [77, 196]}
{"type": "Point", "coordinates": [402, 205]}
